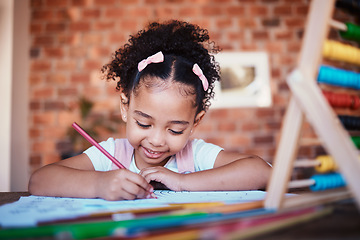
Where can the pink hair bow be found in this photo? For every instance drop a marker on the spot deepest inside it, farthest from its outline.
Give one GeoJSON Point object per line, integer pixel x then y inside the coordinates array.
{"type": "Point", "coordinates": [156, 58]}
{"type": "Point", "coordinates": [197, 70]}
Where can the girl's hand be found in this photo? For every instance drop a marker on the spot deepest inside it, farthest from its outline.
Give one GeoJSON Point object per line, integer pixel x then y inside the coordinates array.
{"type": "Point", "coordinates": [122, 184]}
{"type": "Point", "coordinates": [170, 179]}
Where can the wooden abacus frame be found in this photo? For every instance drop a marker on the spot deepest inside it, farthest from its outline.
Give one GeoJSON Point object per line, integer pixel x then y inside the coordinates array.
{"type": "Point", "coordinates": [308, 99]}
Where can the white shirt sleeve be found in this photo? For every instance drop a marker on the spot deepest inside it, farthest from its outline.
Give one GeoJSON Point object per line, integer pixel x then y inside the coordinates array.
{"type": "Point", "coordinates": [205, 154]}
{"type": "Point", "coordinates": [98, 159]}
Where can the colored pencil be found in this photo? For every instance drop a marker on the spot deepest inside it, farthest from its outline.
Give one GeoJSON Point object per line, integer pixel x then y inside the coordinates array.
{"type": "Point", "coordinates": [235, 225]}
{"type": "Point", "coordinates": [98, 146]}
{"type": "Point", "coordinates": [142, 212]}
{"type": "Point", "coordinates": [126, 228]}
{"type": "Point", "coordinates": [237, 207]}
{"type": "Point", "coordinates": [240, 228]}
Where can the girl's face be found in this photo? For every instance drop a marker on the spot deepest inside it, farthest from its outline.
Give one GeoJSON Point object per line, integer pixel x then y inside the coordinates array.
{"type": "Point", "coordinates": [159, 122]}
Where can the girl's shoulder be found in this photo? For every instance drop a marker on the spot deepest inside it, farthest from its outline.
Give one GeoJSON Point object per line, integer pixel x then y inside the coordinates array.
{"type": "Point", "coordinates": [204, 154]}
{"type": "Point", "coordinates": [200, 144]}
{"type": "Point", "coordinates": [203, 150]}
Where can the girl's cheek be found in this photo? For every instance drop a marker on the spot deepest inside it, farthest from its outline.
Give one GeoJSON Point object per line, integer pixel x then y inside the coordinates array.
{"type": "Point", "coordinates": [179, 142]}
{"type": "Point", "coordinates": [134, 134]}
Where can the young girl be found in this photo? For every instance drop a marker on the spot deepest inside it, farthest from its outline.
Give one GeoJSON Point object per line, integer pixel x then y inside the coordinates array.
{"type": "Point", "coordinates": [165, 75]}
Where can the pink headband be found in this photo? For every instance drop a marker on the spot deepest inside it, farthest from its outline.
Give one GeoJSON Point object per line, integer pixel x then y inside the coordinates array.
{"type": "Point", "coordinates": [197, 70]}
{"type": "Point", "coordinates": [156, 58]}
{"type": "Point", "coordinates": [159, 57]}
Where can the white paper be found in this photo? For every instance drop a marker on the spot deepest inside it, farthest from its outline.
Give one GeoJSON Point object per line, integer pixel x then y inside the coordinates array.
{"type": "Point", "coordinates": [31, 210]}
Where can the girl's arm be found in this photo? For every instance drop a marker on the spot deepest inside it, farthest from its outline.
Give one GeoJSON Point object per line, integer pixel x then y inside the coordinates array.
{"type": "Point", "coordinates": [76, 177]}
{"type": "Point", "coordinates": [231, 172]}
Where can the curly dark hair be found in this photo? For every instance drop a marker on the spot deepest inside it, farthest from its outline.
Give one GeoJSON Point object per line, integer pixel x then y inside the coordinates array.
{"type": "Point", "coordinates": [183, 44]}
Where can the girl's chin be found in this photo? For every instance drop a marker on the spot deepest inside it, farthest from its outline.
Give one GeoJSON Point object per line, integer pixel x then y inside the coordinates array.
{"type": "Point", "coordinates": [155, 162]}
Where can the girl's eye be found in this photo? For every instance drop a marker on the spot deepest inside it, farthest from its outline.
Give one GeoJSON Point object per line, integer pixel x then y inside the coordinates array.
{"type": "Point", "coordinates": [176, 132]}
{"type": "Point", "coordinates": [142, 125]}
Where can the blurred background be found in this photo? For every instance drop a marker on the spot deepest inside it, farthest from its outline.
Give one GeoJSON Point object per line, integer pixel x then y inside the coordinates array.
{"type": "Point", "coordinates": [52, 52]}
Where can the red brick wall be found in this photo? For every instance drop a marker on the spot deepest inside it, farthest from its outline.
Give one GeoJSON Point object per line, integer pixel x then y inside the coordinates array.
{"type": "Point", "coordinates": [72, 39]}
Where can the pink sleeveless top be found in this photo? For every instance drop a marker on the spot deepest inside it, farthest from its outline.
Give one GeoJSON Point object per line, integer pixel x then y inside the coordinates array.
{"type": "Point", "coordinates": [124, 152]}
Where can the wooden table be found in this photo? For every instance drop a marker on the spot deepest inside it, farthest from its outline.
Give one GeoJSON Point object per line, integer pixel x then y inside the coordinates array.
{"type": "Point", "coordinates": [8, 197]}
{"type": "Point", "coordinates": [343, 223]}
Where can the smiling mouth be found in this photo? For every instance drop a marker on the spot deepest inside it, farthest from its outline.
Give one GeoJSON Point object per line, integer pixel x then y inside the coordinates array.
{"type": "Point", "coordinates": [152, 154]}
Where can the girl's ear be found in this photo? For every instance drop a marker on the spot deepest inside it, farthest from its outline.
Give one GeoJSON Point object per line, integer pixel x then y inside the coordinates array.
{"type": "Point", "coordinates": [198, 118]}
{"type": "Point", "coordinates": [124, 106]}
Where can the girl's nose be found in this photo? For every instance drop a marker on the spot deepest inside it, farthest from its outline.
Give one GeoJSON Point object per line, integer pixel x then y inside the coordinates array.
{"type": "Point", "coordinates": [157, 138]}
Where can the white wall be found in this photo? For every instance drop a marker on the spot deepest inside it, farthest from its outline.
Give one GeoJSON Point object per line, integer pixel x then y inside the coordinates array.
{"type": "Point", "coordinates": [6, 26]}
{"type": "Point", "coordinates": [14, 69]}
{"type": "Point", "coordinates": [20, 99]}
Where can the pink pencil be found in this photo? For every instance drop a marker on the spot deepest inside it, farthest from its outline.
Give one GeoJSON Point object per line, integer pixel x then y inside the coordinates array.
{"type": "Point", "coordinates": [94, 143]}
{"type": "Point", "coordinates": [106, 153]}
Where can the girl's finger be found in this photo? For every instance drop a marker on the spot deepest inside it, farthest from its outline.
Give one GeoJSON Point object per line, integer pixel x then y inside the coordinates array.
{"type": "Point", "coordinates": [133, 190]}
{"type": "Point", "coordinates": [146, 171]}
{"type": "Point", "coordinates": [140, 181]}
